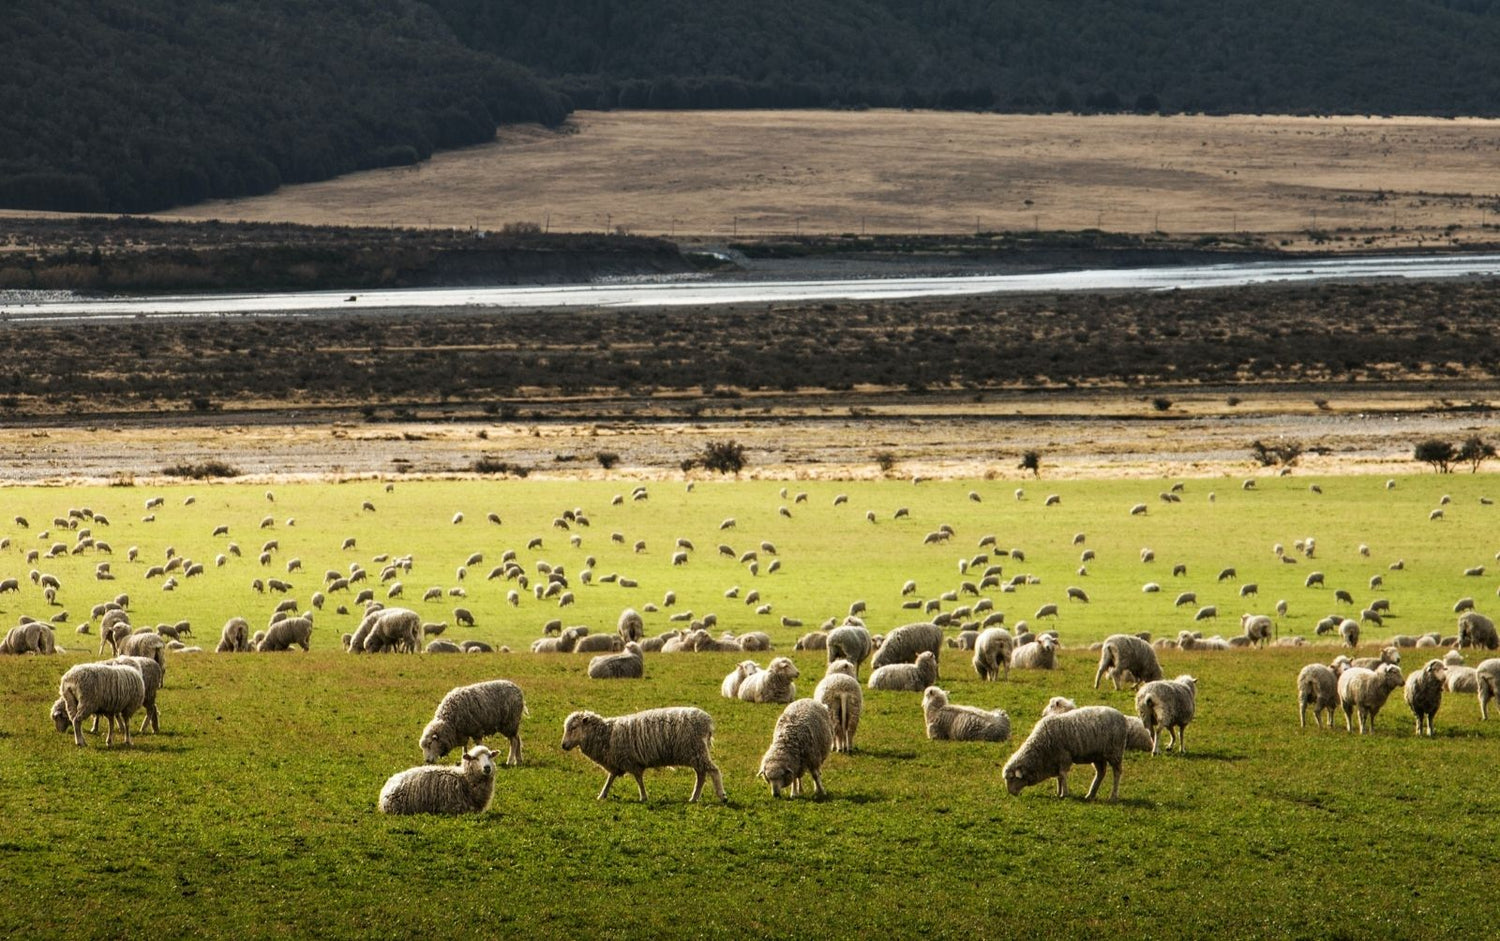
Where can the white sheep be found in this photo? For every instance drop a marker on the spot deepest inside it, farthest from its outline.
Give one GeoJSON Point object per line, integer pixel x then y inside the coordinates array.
{"type": "Point", "coordinates": [474, 712]}
{"type": "Point", "coordinates": [465, 788]}
{"type": "Point", "coordinates": [992, 652]}
{"type": "Point", "coordinates": [730, 687]}
{"type": "Point", "coordinates": [1038, 654]}
{"type": "Point", "coordinates": [1093, 734]}
{"type": "Point", "coordinates": [631, 626]}
{"type": "Point", "coordinates": [800, 743]}
{"type": "Point", "coordinates": [113, 690]}
{"type": "Point", "coordinates": [840, 691]}
{"type": "Point", "coordinates": [1424, 693]}
{"type": "Point", "coordinates": [1476, 630]}
{"type": "Point", "coordinates": [1167, 705]}
{"type": "Point", "coordinates": [1487, 683]}
{"type": "Point", "coordinates": [599, 643]}
{"type": "Point", "coordinates": [1258, 628]}
{"type": "Point", "coordinates": [850, 642]}
{"type": "Point", "coordinates": [629, 664]}
{"type": "Point", "coordinates": [903, 644]}
{"type": "Point", "coordinates": [773, 684]}
{"type": "Point", "coordinates": [907, 677]}
{"type": "Point", "coordinates": [655, 738]}
{"type": "Point", "coordinates": [1136, 738]}
{"type": "Point", "coordinates": [153, 675]}
{"type": "Point", "coordinates": [283, 635]}
{"type": "Point", "coordinates": [946, 721]}
{"type": "Point", "coordinates": [1365, 691]}
{"type": "Point", "coordinates": [1317, 686]}
{"type": "Point", "coordinates": [1123, 654]}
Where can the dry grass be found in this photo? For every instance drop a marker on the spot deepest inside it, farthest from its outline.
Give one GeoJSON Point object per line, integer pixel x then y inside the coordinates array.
{"type": "Point", "coordinates": [1395, 181]}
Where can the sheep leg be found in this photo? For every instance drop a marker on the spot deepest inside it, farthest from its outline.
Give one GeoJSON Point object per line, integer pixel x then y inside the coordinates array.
{"type": "Point", "coordinates": [718, 779]}
{"type": "Point", "coordinates": [1062, 780]}
{"type": "Point", "coordinates": [1181, 739]}
{"type": "Point", "coordinates": [94, 726]}
{"type": "Point", "coordinates": [1100, 675]}
{"type": "Point", "coordinates": [78, 728]}
{"type": "Point", "coordinates": [514, 758]}
{"type": "Point", "coordinates": [640, 784]}
{"type": "Point", "coordinates": [817, 777]}
{"type": "Point", "coordinates": [1114, 791]}
{"type": "Point", "coordinates": [1099, 767]}
{"type": "Point", "coordinates": [609, 781]}
{"type": "Point", "coordinates": [1302, 715]}
{"type": "Point", "coordinates": [1348, 718]}
{"type": "Point", "coordinates": [796, 787]}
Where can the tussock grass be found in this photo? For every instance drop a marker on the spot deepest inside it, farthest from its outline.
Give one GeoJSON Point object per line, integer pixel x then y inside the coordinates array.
{"type": "Point", "coordinates": [254, 811]}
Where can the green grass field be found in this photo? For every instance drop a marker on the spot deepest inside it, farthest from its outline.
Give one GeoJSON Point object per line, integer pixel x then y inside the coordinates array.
{"type": "Point", "coordinates": [253, 812]}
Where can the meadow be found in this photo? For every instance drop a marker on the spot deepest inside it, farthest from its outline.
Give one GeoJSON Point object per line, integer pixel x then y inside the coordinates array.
{"type": "Point", "coordinates": [253, 812]}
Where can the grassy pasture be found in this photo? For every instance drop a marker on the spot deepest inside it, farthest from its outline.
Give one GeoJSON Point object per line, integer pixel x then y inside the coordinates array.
{"type": "Point", "coordinates": [253, 812]}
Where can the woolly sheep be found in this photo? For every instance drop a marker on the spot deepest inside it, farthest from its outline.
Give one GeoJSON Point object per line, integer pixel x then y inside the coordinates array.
{"type": "Point", "coordinates": [1093, 734]}
{"type": "Point", "coordinates": [1349, 632]}
{"type": "Point", "coordinates": [730, 687]}
{"type": "Point", "coordinates": [839, 690]}
{"type": "Point", "coordinates": [29, 637]}
{"type": "Point", "coordinates": [387, 629]}
{"type": "Point", "coordinates": [1127, 654]}
{"type": "Point", "coordinates": [1365, 691]}
{"type": "Point", "coordinates": [442, 646]}
{"type": "Point", "coordinates": [903, 644]}
{"type": "Point", "coordinates": [631, 626]}
{"type": "Point", "coordinates": [475, 712]}
{"type": "Point", "coordinates": [1487, 682]}
{"type": "Point", "coordinates": [946, 721]}
{"type": "Point", "coordinates": [850, 642]}
{"type": "Point", "coordinates": [599, 643]}
{"type": "Point", "coordinates": [465, 788]}
{"type": "Point", "coordinates": [1167, 705]}
{"type": "Point", "coordinates": [1257, 627]}
{"type": "Point", "coordinates": [1424, 693]}
{"type": "Point", "coordinates": [235, 637]}
{"type": "Point", "coordinates": [773, 684]}
{"type": "Point", "coordinates": [812, 640]}
{"type": "Point", "coordinates": [284, 634]}
{"type": "Point", "coordinates": [907, 677]}
{"type": "Point", "coordinates": [1038, 654]}
{"type": "Point", "coordinates": [1476, 630]}
{"type": "Point", "coordinates": [800, 743]}
{"type": "Point", "coordinates": [655, 738]}
{"type": "Point", "coordinates": [113, 690]}
{"type": "Point", "coordinates": [153, 675]}
{"type": "Point", "coordinates": [992, 652]}
{"type": "Point", "coordinates": [143, 645]}
{"type": "Point", "coordinates": [1387, 655]}
{"type": "Point", "coordinates": [1317, 686]}
{"type": "Point", "coordinates": [628, 664]}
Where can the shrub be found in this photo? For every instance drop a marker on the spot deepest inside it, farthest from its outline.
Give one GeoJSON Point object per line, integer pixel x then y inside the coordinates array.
{"type": "Point", "coordinates": [607, 459]}
{"type": "Point", "coordinates": [1031, 461]}
{"type": "Point", "coordinates": [1161, 403]}
{"type": "Point", "coordinates": [723, 457]}
{"type": "Point", "coordinates": [490, 465]}
{"type": "Point", "coordinates": [1473, 452]}
{"type": "Point", "coordinates": [1439, 454]}
{"type": "Point", "coordinates": [886, 461]}
{"type": "Point", "coordinates": [202, 470]}
{"type": "Point", "coordinates": [1268, 455]}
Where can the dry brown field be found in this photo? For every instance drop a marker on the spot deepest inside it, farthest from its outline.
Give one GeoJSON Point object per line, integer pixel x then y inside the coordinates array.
{"type": "Point", "coordinates": [1375, 182]}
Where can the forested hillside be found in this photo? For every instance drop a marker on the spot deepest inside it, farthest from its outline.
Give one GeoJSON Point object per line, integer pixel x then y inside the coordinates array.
{"type": "Point", "coordinates": [132, 105]}
{"type": "Point", "coordinates": [1289, 56]}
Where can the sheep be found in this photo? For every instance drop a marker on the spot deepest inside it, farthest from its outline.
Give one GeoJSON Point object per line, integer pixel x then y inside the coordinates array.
{"type": "Point", "coordinates": [631, 626]}
{"type": "Point", "coordinates": [1313, 578]}
{"type": "Point", "coordinates": [730, 687]}
{"type": "Point", "coordinates": [1187, 597]}
{"type": "Point", "coordinates": [1124, 654]}
{"type": "Point", "coordinates": [1317, 686]}
{"type": "Point", "coordinates": [850, 642]}
{"type": "Point", "coordinates": [29, 637]}
{"type": "Point", "coordinates": [474, 712]}
{"type": "Point", "coordinates": [1476, 630]}
{"type": "Point", "coordinates": [1206, 612]}
{"type": "Point", "coordinates": [147, 644]}
{"type": "Point", "coordinates": [1257, 627]}
{"type": "Point", "coordinates": [992, 653]}
{"type": "Point", "coordinates": [113, 690]}
{"type": "Point", "coordinates": [1093, 734]}
{"type": "Point", "coordinates": [1167, 705]}
{"type": "Point", "coordinates": [388, 629]}
{"type": "Point", "coordinates": [907, 677]}
{"type": "Point", "coordinates": [628, 664]}
{"type": "Point", "coordinates": [1387, 655]}
{"type": "Point", "coordinates": [812, 640]}
{"type": "Point", "coordinates": [1038, 654]}
{"type": "Point", "coordinates": [465, 788]}
{"type": "Point", "coordinates": [773, 684]}
{"type": "Point", "coordinates": [654, 738]}
{"type": "Point", "coordinates": [443, 646]}
{"type": "Point", "coordinates": [1487, 683]}
{"type": "Point", "coordinates": [153, 674]}
{"type": "Point", "coordinates": [599, 643]}
{"type": "Point", "coordinates": [903, 644]}
{"type": "Point", "coordinates": [235, 637]}
{"type": "Point", "coordinates": [1424, 693]}
{"type": "Point", "coordinates": [947, 722]}
{"type": "Point", "coordinates": [799, 745]}
{"type": "Point", "coordinates": [1366, 691]}
{"type": "Point", "coordinates": [839, 690]}
{"type": "Point", "coordinates": [1349, 632]}
{"type": "Point", "coordinates": [284, 634]}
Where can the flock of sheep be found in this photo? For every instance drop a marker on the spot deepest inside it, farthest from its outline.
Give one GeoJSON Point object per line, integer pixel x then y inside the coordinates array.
{"type": "Point", "coordinates": [904, 659]}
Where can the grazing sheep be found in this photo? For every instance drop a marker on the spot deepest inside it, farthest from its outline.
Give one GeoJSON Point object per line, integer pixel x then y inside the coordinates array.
{"type": "Point", "coordinates": [1206, 612]}
{"type": "Point", "coordinates": [907, 677]}
{"type": "Point", "coordinates": [1046, 610]}
{"type": "Point", "coordinates": [730, 687]}
{"type": "Point", "coordinates": [840, 691]}
{"type": "Point", "coordinates": [850, 642]}
{"type": "Point", "coordinates": [1257, 627]}
{"type": "Point", "coordinates": [773, 684]}
{"type": "Point", "coordinates": [235, 637]}
{"type": "Point", "coordinates": [465, 788]}
{"type": "Point", "coordinates": [474, 712]}
{"type": "Point", "coordinates": [1125, 655]}
{"type": "Point", "coordinates": [1169, 705]}
{"type": "Point", "coordinates": [113, 690]}
{"type": "Point", "coordinates": [903, 644]}
{"type": "Point", "coordinates": [599, 643]}
{"type": "Point", "coordinates": [1349, 632]}
{"type": "Point", "coordinates": [947, 722]}
{"type": "Point", "coordinates": [1096, 735]}
{"type": "Point", "coordinates": [655, 738]}
{"type": "Point", "coordinates": [1187, 597]}
{"type": "Point", "coordinates": [30, 637]}
{"type": "Point", "coordinates": [1388, 654]}
{"type": "Point", "coordinates": [153, 675]}
{"type": "Point", "coordinates": [992, 652]}
{"type": "Point", "coordinates": [1476, 630]}
{"type": "Point", "coordinates": [1037, 654]}
{"type": "Point", "coordinates": [800, 743]}
{"type": "Point", "coordinates": [629, 664]}
{"type": "Point", "coordinates": [388, 629]}
{"type": "Point", "coordinates": [1424, 693]}
{"type": "Point", "coordinates": [1313, 578]}
{"type": "Point", "coordinates": [813, 640]}
{"type": "Point", "coordinates": [631, 626]}
{"type": "Point", "coordinates": [1317, 686]}
{"type": "Point", "coordinates": [1487, 683]}
{"type": "Point", "coordinates": [284, 634]}
{"type": "Point", "coordinates": [1366, 691]}
{"type": "Point", "coordinates": [443, 646]}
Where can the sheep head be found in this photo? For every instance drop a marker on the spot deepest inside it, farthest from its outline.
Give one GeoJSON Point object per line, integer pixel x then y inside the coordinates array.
{"type": "Point", "coordinates": [578, 726]}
